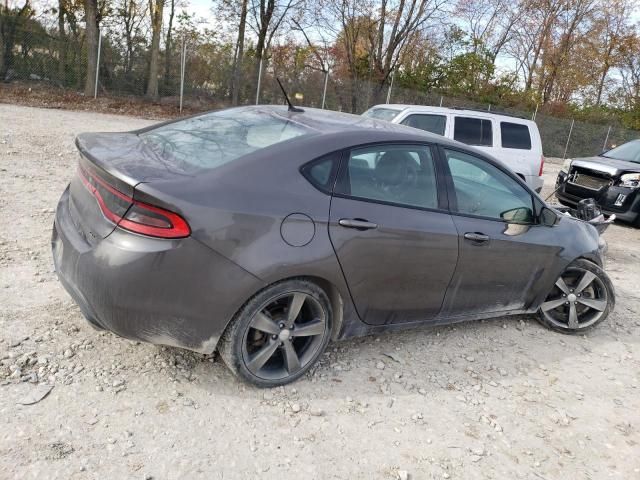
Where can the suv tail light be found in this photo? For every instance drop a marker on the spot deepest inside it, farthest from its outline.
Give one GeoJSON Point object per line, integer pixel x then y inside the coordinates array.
{"type": "Point", "coordinates": [541, 165]}
{"type": "Point", "coordinates": [132, 215]}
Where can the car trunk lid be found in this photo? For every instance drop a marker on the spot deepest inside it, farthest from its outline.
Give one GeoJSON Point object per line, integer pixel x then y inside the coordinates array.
{"type": "Point", "coordinates": [103, 189]}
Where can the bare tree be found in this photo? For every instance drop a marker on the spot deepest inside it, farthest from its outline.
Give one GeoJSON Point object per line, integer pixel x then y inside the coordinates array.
{"type": "Point", "coordinates": [572, 17]}
{"type": "Point", "coordinates": [167, 44]}
{"type": "Point", "coordinates": [372, 34]}
{"type": "Point", "coordinates": [91, 19]}
{"type": "Point", "coordinates": [267, 17]}
{"type": "Point", "coordinates": [611, 29]}
{"type": "Point", "coordinates": [10, 20]}
{"type": "Point", "coordinates": [129, 15]}
{"type": "Point", "coordinates": [62, 42]}
{"type": "Point", "coordinates": [236, 81]}
{"type": "Point", "coordinates": [156, 8]}
{"type": "Point", "coordinates": [489, 23]}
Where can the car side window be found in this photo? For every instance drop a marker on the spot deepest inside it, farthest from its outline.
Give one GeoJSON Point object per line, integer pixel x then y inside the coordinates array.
{"type": "Point", "coordinates": [399, 174]}
{"type": "Point", "coordinates": [484, 190]}
{"type": "Point", "coordinates": [430, 123]}
{"type": "Point", "coordinates": [515, 135]}
{"type": "Point", "coordinates": [473, 131]}
{"type": "Point", "coordinates": [321, 172]}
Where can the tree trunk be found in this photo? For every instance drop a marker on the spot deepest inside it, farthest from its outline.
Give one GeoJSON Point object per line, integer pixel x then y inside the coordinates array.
{"type": "Point", "coordinates": [91, 18]}
{"type": "Point", "coordinates": [266, 14]}
{"type": "Point", "coordinates": [62, 45]}
{"type": "Point", "coordinates": [603, 77]}
{"type": "Point", "coordinates": [167, 51]}
{"type": "Point", "coordinates": [155, 9]}
{"type": "Point", "coordinates": [236, 84]}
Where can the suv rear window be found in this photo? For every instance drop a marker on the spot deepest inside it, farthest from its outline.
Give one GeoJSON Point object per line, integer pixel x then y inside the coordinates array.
{"type": "Point", "coordinates": [515, 135]}
{"type": "Point", "coordinates": [430, 123]}
{"type": "Point", "coordinates": [473, 131]}
{"type": "Point", "coordinates": [208, 141]}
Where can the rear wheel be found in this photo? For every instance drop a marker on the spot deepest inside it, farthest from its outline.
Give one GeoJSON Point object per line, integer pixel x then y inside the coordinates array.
{"type": "Point", "coordinates": [279, 334]}
{"type": "Point", "coordinates": [582, 297]}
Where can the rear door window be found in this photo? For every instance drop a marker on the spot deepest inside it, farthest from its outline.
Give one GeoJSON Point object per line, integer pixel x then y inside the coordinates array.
{"type": "Point", "coordinates": [428, 122]}
{"type": "Point", "coordinates": [402, 175]}
{"type": "Point", "coordinates": [515, 135]}
{"type": "Point", "coordinates": [473, 131]}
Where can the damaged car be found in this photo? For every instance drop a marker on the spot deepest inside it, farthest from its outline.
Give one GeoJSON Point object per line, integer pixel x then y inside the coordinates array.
{"type": "Point", "coordinates": [266, 232]}
{"type": "Point", "coordinates": [612, 179]}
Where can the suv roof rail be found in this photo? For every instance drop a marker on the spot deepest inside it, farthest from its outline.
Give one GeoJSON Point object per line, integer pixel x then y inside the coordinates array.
{"type": "Point", "coordinates": [497, 112]}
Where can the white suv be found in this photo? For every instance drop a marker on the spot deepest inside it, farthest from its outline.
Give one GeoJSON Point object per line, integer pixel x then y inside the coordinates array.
{"type": "Point", "coordinates": [514, 141]}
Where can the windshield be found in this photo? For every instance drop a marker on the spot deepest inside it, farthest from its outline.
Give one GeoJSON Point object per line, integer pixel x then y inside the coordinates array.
{"type": "Point", "coordinates": [387, 114]}
{"type": "Point", "coordinates": [213, 139]}
{"type": "Point", "coordinates": [627, 151]}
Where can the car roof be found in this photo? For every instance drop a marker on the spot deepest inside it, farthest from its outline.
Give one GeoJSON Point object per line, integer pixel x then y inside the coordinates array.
{"type": "Point", "coordinates": [467, 111]}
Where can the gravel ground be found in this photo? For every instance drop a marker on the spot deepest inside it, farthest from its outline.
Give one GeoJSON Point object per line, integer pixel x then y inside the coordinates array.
{"type": "Point", "coordinates": [493, 399]}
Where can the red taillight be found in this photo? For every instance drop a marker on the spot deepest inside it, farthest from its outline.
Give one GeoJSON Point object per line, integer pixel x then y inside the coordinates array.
{"type": "Point", "coordinates": [132, 215]}
{"type": "Point", "coordinates": [541, 165]}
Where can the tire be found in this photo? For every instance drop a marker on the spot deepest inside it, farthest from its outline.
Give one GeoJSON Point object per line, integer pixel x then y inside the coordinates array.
{"type": "Point", "coordinates": [573, 307]}
{"type": "Point", "coordinates": [262, 342]}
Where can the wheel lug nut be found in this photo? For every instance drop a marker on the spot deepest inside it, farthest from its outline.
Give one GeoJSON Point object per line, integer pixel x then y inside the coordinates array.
{"type": "Point", "coordinates": [281, 325]}
{"type": "Point", "coordinates": [282, 344]}
{"type": "Point", "coordinates": [566, 303]}
{"type": "Point", "coordinates": [274, 336]}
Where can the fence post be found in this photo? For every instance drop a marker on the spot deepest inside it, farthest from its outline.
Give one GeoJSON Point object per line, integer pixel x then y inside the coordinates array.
{"type": "Point", "coordinates": [440, 100]}
{"type": "Point", "coordinates": [606, 139]}
{"type": "Point", "coordinates": [489, 109]}
{"type": "Point", "coordinates": [324, 92]}
{"type": "Point", "coordinates": [535, 113]}
{"type": "Point", "coordinates": [95, 88]}
{"type": "Point", "coordinates": [568, 138]}
{"type": "Point", "coordinates": [183, 65]}
{"type": "Point", "coordinates": [259, 80]}
{"type": "Point", "coordinates": [393, 74]}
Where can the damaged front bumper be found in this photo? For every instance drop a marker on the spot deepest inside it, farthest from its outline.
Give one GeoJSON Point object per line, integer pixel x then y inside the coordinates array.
{"type": "Point", "coordinates": [623, 202]}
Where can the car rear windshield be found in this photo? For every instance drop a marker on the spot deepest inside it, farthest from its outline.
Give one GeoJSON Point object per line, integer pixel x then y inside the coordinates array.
{"type": "Point", "coordinates": [208, 141]}
{"type": "Point", "coordinates": [387, 114]}
{"type": "Point", "coordinates": [629, 151]}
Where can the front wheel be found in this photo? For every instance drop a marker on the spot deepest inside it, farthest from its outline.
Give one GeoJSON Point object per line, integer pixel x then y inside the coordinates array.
{"type": "Point", "coordinates": [279, 334]}
{"type": "Point", "coordinates": [582, 297]}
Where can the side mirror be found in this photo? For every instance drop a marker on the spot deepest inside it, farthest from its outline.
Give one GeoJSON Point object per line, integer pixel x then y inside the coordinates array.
{"type": "Point", "coordinates": [521, 215]}
{"type": "Point", "coordinates": [548, 217]}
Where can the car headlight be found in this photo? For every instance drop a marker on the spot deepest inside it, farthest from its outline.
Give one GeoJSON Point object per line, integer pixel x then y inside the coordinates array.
{"type": "Point", "coordinates": [566, 165]}
{"type": "Point", "coordinates": [631, 180]}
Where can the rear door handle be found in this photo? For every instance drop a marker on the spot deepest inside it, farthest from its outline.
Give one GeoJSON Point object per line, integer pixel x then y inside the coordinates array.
{"type": "Point", "coordinates": [357, 223]}
{"type": "Point", "coordinates": [476, 237]}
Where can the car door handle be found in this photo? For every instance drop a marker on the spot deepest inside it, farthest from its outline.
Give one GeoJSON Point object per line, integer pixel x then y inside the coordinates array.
{"type": "Point", "coordinates": [357, 223]}
{"type": "Point", "coordinates": [476, 237]}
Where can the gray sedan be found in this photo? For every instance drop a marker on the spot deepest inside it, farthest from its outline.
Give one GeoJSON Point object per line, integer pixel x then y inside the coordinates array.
{"type": "Point", "coordinates": [265, 233]}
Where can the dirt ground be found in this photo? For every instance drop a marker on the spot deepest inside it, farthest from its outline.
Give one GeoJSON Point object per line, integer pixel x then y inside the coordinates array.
{"type": "Point", "coordinates": [499, 399]}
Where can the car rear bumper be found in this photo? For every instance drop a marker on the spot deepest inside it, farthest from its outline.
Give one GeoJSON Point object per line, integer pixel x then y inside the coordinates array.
{"type": "Point", "coordinates": [169, 292]}
{"type": "Point", "coordinates": [629, 211]}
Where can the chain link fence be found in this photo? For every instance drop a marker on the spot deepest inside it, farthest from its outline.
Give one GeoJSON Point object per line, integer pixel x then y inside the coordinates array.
{"type": "Point", "coordinates": [200, 76]}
